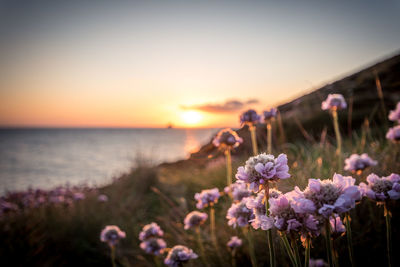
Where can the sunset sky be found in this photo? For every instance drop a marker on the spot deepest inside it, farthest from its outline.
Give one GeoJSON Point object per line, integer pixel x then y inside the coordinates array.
{"type": "Point", "coordinates": [189, 63]}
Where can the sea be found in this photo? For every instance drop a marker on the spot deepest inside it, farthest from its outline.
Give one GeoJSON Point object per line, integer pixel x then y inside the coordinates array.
{"type": "Point", "coordinates": [49, 157]}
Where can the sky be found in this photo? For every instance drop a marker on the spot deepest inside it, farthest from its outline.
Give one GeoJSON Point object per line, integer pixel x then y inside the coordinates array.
{"type": "Point", "coordinates": [188, 63]}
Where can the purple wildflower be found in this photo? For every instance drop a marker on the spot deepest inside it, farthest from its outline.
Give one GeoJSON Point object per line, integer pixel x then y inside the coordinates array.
{"type": "Point", "coordinates": [239, 190]}
{"type": "Point", "coordinates": [249, 117]}
{"type": "Point", "coordinates": [270, 114]}
{"type": "Point", "coordinates": [394, 115]}
{"type": "Point", "coordinates": [78, 196]}
{"type": "Point", "coordinates": [102, 198]}
{"type": "Point", "coordinates": [195, 218]}
{"type": "Point", "coordinates": [6, 207]}
{"type": "Point", "coordinates": [239, 215]}
{"type": "Point", "coordinates": [337, 227]}
{"type": "Point", "coordinates": [394, 134]}
{"type": "Point", "coordinates": [263, 168]}
{"type": "Point", "coordinates": [334, 102]}
{"type": "Point", "coordinates": [333, 196]}
{"type": "Point", "coordinates": [206, 198]}
{"type": "Point", "coordinates": [317, 263]}
{"type": "Point", "coordinates": [154, 246]}
{"type": "Point", "coordinates": [357, 162]}
{"type": "Point", "coordinates": [111, 234]}
{"type": "Point", "coordinates": [179, 255]}
{"type": "Point", "coordinates": [150, 230]}
{"type": "Point", "coordinates": [381, 188]}
{"type": "Point", "coordinates": [234, 242]}
{"type": "Point", "coordinates": [257, 204]}
{"type": "Point", "coordinates": [284, 212]}
{"type": "Point", "coordinates": [227, 138]}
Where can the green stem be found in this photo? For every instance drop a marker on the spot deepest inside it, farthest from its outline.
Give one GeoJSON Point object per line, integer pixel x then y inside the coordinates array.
{"type": "Point", "coordinates": [296, 251]}
{"type": "Point", "coordinates": [252, 250]}
{"type": "Point", "coordinates": [253, 129]}
{"type": "Point", "coordinates": [338, 138]}
{"type": "Point", "coordinates": [269, 138]}
{"type": "Point", "coordinates": [349, 238]}
{"type": "Point", "coordinates": [271, 248]}
{"type": "Point", "coordinates": [388, 216]}
{"type": "Point", "coordinates": [289, 250]}
{"type": "Point", "coordinates": [200, 244]}
{"type": "Point", "coordinates": [328, 242]}
{"type": "Point", "coordinates": [113, 256]}
{"type": "Point", "coordinates": [307, 252]}
{"type": "Point", "coordinates": [233, 258]}
{"type": "Point", "coordinates": [228, 167]}
{"type": "Point", "coordinates": [335, 256]}
{"type": "Point", "coordinates": [213, 235]}
{"type": "Point", "coordinates": [157, 261]}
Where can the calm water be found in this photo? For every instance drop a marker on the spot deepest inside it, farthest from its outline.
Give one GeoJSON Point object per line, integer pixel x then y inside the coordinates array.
{"type": "Point", "coordinates": [45, 158]}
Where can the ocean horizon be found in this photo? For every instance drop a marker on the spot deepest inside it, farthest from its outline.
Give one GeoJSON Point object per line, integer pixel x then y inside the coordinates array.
{"type": "Point", "coordinates": [47, 157]}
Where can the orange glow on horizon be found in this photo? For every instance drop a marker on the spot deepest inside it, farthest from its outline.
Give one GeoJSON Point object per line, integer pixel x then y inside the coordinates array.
{"type": "Point", "coordinates": [191, 117]}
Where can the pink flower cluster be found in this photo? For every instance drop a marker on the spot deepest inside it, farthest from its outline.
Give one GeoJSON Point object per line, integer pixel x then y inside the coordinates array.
{"type": "Point", "coordinates": [154, 246]}
{"type": "Point", "coordinates": [227, 138]}
{"type": "Point", "coordinates": [239, 190]}
{"type": "Point", "coordinates": [337, 226]}
{"type": "Point", "coordinates": [194, 218]}
{"type": "Point", "coordinates": [239, 214]}
{"type": "Point", "coordinates": [381, 188]}
{"type": "Point", "coordinates": [394, 115]}
{"type": "Point", "coordinates": [111, 234]}
{"type": "Point", "coordinates": [270, 114]}
{"type": "Point", "coordinates": [258, 206]}
{"type": "Point", "coordinates": [250, 117]}
{"type": "Point", "coordinates": [263, 168]}
{"type": "Point", "coordinates": [207, 198]}
{"type": "Point", "coordinates": [358, 162]}
{"type": "Point", "coordinates": [150, 230]}
{"type": "Point", "coordinates": [179, 255]}
{"type": "Point", "coordinates": [234, 242]}
{"type": "Point", "coordinates": [293, 215]}
{"type": "Point", "coordinates": [152, 243]}
{"type": "Point", "coordinates": [334, 102]}
{"type": "Point", "coordinates": [394, 134]}
{"type": "Point", "coordinates": [332, 196]}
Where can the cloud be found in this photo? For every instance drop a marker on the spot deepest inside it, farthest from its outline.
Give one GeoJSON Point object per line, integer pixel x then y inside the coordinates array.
{"type": "Point", "coordinates": [226, 107]}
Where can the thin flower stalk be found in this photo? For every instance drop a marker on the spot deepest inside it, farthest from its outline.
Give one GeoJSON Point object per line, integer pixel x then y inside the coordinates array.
{"type": "Point", "coordinates": [269, 116]}
{"type": "Point", "coordinates": [347, 222]}
{"type": "Point", "coordinates": [157, 261]}
{"type": "Point", "coordinates": [269, 232]}
{"type": "Point", "coordinates": [288, 249]}
{"type": "Point", "coordinates": [113, 256]}
{"type": "Point", "coordinates": [269, 138]}
{"type": "Point", "coordinates": [252, 129]}
{"type": "Point", "coordinates": [200, 244]}
{"type": "Point", "coordinates": [247, 232]}
{"type": "Point", "coordinates": [328, 243]}
{"type": "Point", "coordinates": [233, 244]}
{"type": "Point", "coordinates": [307, 252]}
{"type": "Point", "coordinates": [388, 216]}
{"type": "Point", "coordinates": [233, 257]}
{"type": "Point", "coordinates": [213, 234]}
{"type": "Point", "coordinates": [296, 251]}
{"type": "Point", "coordinates": [228, 167]}
{"type": "Point", "coordinates": [338, 137]}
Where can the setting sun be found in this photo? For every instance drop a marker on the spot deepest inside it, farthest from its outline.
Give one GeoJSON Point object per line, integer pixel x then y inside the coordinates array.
{"type": "Point", "coordinates": [191, 117]}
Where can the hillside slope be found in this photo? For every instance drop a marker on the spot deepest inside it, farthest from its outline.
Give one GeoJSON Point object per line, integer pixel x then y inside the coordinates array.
{"type": "Point", "coordinates": [302, 118]}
